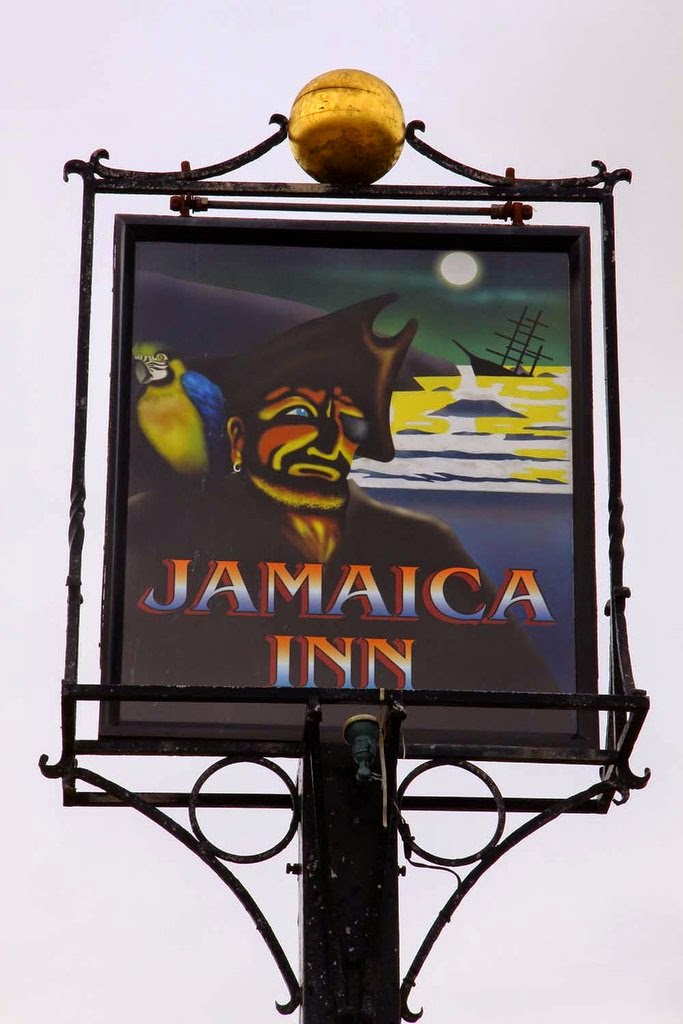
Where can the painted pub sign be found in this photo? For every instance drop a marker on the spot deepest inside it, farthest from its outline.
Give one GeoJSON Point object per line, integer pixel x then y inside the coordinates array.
{"type": "Point", "coordinates": [354, 456]}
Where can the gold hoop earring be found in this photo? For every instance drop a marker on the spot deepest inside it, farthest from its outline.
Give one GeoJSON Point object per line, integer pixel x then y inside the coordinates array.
{"type": "Point", "coordinates": [237, 463]}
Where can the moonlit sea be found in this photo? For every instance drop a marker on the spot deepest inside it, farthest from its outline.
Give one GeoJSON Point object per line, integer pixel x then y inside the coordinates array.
{"type": "Point", "coordinates": [509, 434]}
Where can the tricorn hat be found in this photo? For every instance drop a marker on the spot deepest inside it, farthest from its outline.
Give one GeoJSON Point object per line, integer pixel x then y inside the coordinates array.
{"type": "Point", "coordinates": [336, 350]}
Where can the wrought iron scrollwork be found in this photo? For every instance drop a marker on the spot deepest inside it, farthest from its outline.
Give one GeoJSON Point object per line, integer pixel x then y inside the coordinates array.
{"type": "Point", "coordinates": [95, 168]}
{"type": "Point", "coordinates": [210, 855]}
{"type": "Point", "coordinates": [623, 733]}
{"type": "Point", "coordinates": [57, 770]}
{"type": "Point", "coordinates": [483, 859]}
{"type": "Point", "coordinates": [625, 779]}
{"type": "Point", "coordinates": [240, 858]}
{"type": "Point", "coordinates": [602, 177]}
{"type": "Point", "coordinates": [409, 844]}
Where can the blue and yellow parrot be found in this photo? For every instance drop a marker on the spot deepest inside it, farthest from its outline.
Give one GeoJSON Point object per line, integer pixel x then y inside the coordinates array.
{"type": "Point", "coordinates": [180, 412]}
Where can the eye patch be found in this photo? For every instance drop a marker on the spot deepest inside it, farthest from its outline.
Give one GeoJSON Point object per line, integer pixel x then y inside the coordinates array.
{"type": "Point", "coordinates": [356, 428]}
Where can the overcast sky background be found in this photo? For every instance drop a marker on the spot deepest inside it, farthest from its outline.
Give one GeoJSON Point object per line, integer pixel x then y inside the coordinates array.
{"type": "Point", "coordinates": [104, 917]}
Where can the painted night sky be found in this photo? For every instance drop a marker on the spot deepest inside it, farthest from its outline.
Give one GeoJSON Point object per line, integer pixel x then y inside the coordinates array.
{"type": "Point", "coordinates": [331, 278]}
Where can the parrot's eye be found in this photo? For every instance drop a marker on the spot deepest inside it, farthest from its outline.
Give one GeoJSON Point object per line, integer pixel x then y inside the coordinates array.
{"type": "Point", "coordinates": [161, 357]}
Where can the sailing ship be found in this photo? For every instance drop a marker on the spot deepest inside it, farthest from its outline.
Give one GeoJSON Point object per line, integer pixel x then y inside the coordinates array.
{"type": "Point", "coordinates": [519, 358]}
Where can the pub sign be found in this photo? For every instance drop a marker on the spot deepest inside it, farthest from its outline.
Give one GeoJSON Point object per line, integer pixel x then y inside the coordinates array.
{"type": "Point", "coordinates": [350, 456]}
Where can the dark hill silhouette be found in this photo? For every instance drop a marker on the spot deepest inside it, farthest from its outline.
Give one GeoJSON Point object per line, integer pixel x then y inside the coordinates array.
{"type": "Point", "coordinates": [476, 407]}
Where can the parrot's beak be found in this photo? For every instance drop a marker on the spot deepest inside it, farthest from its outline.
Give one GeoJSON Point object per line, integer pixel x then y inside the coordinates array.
{"type": "Point", "coordinates": [142, 374]}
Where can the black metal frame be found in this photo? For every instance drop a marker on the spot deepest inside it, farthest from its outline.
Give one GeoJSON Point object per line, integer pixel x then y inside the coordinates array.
{"type": "Point", "coordinates": [569, 241]}
{"type": "Point", "coordinates": [625, 705]}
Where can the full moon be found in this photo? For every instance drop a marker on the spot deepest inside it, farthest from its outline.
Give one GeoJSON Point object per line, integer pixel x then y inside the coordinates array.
{"type": "Point", "coordinates": [459, 268]}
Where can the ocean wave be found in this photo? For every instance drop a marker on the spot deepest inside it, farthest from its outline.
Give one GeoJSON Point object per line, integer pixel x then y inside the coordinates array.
{"type": "Point", "coordinates": [441, 480]}
{"type": "Point", "coordinates": [466, 471]}
{"type": "Point", "coordinates": [407, 453]}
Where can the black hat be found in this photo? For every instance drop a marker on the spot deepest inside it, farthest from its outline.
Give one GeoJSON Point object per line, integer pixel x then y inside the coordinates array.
{"type": "Point", "coordinates": [338, 349]}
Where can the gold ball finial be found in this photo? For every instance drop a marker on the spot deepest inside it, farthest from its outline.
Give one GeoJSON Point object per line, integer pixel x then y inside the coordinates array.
{"type": "Point", "coordinates": [346, 127]}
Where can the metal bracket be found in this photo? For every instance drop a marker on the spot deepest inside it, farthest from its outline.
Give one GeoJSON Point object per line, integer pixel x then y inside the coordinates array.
{"type": "Point", "coordinates": [482, 859]}
{"type": "Point", "coordinates": [195, 841]}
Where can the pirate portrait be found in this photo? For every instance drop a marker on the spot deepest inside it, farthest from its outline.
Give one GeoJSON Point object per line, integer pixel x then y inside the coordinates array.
{"type": "Point", "coordinates": [263, 564]}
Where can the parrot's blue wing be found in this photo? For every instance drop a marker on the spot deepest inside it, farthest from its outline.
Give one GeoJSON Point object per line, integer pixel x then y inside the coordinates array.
{"type": "Point", "coordinates": [208, 399]}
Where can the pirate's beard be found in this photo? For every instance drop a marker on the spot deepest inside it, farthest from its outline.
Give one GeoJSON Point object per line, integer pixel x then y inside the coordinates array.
{"type": "Point", "coordinates": [303, 494]}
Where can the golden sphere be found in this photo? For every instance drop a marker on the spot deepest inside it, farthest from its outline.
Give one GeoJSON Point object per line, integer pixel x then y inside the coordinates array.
{"type": "Point", "coordinates": [346, 127]}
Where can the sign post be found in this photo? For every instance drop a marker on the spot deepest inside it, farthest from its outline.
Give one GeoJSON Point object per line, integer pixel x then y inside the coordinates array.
{"type": "Point", "coordinates": [350, 517]}
{"type": "Point", "coordinates": [349, 885]}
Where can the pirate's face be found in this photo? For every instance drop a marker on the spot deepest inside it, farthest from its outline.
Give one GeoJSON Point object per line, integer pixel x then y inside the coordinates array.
{"type": "Point", "coordinates": [299, 445]}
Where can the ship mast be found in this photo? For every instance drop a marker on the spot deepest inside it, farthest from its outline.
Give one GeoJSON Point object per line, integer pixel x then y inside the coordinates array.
{"type": "Point", "coordinates": [519, 342]}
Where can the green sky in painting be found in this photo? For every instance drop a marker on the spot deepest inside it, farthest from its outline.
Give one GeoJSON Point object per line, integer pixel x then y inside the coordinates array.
{"type": "Point", "coordinates": [331, 278]}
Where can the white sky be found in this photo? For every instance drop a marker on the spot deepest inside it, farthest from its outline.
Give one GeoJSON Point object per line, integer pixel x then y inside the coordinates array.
{"type": "Point", "coordinates": [104, 917]}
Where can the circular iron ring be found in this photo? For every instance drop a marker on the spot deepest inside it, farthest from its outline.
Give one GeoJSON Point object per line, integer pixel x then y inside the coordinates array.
{"type": "Point", "coordinates": [452, 862]}
{"type": "Point", "coordinates": [249, 858]}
